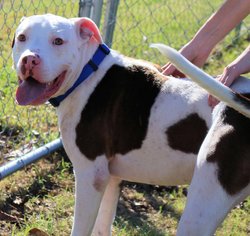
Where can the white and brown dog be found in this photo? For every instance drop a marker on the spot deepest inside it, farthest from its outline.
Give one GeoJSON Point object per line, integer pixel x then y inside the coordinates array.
{"type": "Point", "coordinates": [121, 119]}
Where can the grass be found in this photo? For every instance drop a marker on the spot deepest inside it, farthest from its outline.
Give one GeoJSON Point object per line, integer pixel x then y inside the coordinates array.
{"type": "Point", "coordinates": [41, 196]}
{"type": "Point", "coordinates": [175, 23]}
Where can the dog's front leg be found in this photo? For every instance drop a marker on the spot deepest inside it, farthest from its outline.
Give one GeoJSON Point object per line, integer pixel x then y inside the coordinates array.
{"type": "Point", "coordinates": [91, 180]}
{"type": "Point", "coordinates": [106, 214]}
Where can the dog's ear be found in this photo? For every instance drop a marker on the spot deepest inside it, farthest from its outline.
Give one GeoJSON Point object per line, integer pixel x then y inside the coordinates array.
{"type": "Point", "coordinates": [87, 29]}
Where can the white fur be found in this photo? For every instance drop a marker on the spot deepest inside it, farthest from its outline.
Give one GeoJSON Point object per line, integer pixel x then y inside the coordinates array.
{"type": "Point", "coordinates": [97, 182]}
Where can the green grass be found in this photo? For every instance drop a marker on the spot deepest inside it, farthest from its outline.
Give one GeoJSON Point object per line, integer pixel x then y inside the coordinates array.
{"type": "Point", "coordinates": [44, 191]}
{"type": "Point", "coordinates": [46, 199]}
{"type": "Point", "coordinates": [174, 23]}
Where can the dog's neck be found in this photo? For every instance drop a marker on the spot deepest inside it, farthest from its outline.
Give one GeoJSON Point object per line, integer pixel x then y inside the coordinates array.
{"type": "Point", "coordinates": [90, 67]}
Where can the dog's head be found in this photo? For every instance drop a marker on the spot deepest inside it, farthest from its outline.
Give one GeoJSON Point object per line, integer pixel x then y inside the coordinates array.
{"type": "Point", "coordinates": [48, 54]}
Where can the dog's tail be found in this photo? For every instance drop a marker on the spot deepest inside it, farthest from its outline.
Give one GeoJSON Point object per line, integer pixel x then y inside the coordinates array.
{"type": "Point", "coordinates": [214, 87]}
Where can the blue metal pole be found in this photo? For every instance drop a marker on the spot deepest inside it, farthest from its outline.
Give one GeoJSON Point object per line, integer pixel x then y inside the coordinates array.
{"type": "Point", "coordinates": [29, 158]}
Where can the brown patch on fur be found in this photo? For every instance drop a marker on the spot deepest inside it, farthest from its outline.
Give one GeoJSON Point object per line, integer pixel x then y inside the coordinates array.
{"type": "Point", "coordinates": [115, 118]}
{"type": "Point", "coordinates": [158, 67]}
{"type": "Point", "coordinates": [232, 151]}
{"type": "Point", "coordinates": [188, 134]}
{"type": "Point", "coordinates": [99, 181]}
{"type": "Point", "coordinates": [244, 99]}
{"type": "Point", "coordinates": [98, 185]}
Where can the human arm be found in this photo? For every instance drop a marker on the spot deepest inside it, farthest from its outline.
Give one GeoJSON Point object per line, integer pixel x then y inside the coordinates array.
{"type": "Point", "coordinates": [240, 65]}
{"type": "Point", "coordinates": [214, 30]}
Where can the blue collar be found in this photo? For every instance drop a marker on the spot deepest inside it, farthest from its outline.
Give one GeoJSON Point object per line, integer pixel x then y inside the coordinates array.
{"type": "Point", "coordinates": [87, 70]}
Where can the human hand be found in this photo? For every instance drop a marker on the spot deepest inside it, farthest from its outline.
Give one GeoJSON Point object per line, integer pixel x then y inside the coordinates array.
{"type": "Point", "coordinates": [239, 66]}
{"type": "Point", "coordinates": [227, 78]}
{"type": "Point", "coordinates": [193, 54]}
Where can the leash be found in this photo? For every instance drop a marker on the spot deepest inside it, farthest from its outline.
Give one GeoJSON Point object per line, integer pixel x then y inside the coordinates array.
{"type": "Point", "coordinates": [92, 66]}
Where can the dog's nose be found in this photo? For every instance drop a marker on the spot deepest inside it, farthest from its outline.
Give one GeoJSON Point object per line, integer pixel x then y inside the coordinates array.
{"type": "Point", "coordinates": [29, 62]}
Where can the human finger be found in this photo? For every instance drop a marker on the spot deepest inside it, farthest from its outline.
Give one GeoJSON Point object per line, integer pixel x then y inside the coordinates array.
{"type": "Point", "coordinates": [212, 101]}
{"type": "Point", "coordinates": [170, 69]}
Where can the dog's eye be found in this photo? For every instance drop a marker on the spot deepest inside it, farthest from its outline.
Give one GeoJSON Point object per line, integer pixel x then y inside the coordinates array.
{"type": "Point", "coordinates": [58, 41]}
{"type": "Point", "coordinates": [21, 38]}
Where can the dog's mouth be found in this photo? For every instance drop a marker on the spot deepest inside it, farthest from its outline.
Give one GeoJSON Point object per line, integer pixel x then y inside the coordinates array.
{"type": "Point", "coordinates": [32, 92]}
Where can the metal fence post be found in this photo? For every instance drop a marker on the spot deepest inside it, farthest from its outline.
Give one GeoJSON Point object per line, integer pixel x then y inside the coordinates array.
{"type": "Point", "coordinates": [85, 7]}
{"type": "Point", "coordinates": [97, 11]}
{"type": "Point", "coordinates": [110, 19]}
{"type": "Point", "coordinates": [91, 9]}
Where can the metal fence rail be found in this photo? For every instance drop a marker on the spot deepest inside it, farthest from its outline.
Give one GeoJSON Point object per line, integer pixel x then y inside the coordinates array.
{"type": "Point", "coordinates": [129, 25]}
{"type": "Point", "coordinates": [31, 157]}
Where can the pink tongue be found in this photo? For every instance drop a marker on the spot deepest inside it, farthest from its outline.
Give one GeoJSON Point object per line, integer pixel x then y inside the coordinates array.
{"type": "Point", "coordinates": [30, 92]}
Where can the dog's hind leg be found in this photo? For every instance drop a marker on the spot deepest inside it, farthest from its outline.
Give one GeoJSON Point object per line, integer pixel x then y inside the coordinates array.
{"type": "Point", "coordinates": [106, 214]}
{"type": "Point", "coordinates": [207, 204]}
{"type": "Point", "coordinates": [91, 178]}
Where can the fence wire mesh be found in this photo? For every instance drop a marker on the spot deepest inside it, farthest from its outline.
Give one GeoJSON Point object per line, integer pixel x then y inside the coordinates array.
{"type": "Point", "coordinates": [23, 128]}
{"type": "Point", "coordinates": [138, 23]}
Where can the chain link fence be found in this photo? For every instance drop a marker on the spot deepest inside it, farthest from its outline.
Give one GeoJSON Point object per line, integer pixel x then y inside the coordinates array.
{"type": "Point", "coordinates": [130, 30]}
{"type": "Point", "coordinates": [23, 128]}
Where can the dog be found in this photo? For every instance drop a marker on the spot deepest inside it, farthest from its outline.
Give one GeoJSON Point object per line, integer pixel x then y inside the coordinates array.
{"type": "Point", "coordinates": [121, 119]}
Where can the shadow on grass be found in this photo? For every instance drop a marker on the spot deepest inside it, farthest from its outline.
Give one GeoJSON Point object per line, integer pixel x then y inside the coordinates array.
{"type": "Point", "coordinates": [41, 183]}
{"type": "Point", "coordinates": [133, 214]}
